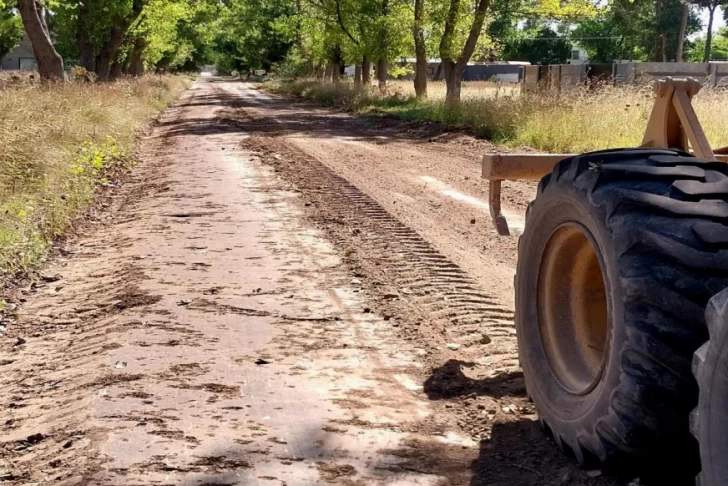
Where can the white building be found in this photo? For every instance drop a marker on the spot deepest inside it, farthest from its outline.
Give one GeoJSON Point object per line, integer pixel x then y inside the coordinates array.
{"type": "Point", "coordinates": [578, 55]}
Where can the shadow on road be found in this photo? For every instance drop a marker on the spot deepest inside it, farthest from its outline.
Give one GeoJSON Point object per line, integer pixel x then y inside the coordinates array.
{"type": "Point", "coordinates": [518, 452]}
{"type": "Point", "coordinates": [287, 117]}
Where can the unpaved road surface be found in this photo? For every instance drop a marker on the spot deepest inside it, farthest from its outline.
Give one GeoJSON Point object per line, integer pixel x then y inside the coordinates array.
{"type": "Point", "coordinates": [279, 295]}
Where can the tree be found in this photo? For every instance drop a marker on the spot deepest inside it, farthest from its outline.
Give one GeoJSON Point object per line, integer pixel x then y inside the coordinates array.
{"type": "Point", "coordinates": [454, 58]}
{"type": "Point", "coordinates": [96, 32]}
{"type": "Point", "coordinates": [711, 5]}
{"type": "Point", "coordinates": [369, 30]}
{"type": "Point", "coordinates": [120, 21]}
{"type": "Point", "coordinates": [695, 52]}
{"type": "Point", "coordinates": [253, 34]}
{"type": "Point", "coordinates": [683, 30]}
{"type": "Point", "coordinates": [541, 45]}
{"type": "Point", "coordinates": [418, 29]}
{"type": "Point", "coordinates": [637, 30]}
{"type": "Point", "coordinates": [50, 64]}
{"type": "Point", "coordinates": [11, 30]}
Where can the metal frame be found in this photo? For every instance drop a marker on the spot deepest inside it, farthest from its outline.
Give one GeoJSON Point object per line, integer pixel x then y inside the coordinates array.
{"type": "Point", "coordinates": [673, 124]}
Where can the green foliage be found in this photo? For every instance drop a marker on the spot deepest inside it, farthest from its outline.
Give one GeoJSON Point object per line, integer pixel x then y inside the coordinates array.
{"type": "Point", "coordinates": [293, 66]}
{"type": "Point", "coordinates": [94, 159]}
{"type": "Point", "coordinates": [253, 34]}
{"type": "Point", "coordinates": [11, 30]}
{"type": "Point", "coordinates": [176, 33]}
{"type": "Point", "coordinates": [538, 46]}
{"type": "Point", "coordinates": [719, 49]}
{"type": "Point", "coordinates": [64, 23]}
{"type": "Point", "coordinates": [635, 30]}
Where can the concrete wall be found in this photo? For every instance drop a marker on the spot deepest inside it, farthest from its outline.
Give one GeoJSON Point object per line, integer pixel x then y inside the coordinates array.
{"type": "Point", "coordinates": [573, 76]}
{"type": "Point", "coordinates": [530, 78]}
{"type": "Point", "coordinates": [22, 57]}
{"type": "Point", "coordinates": [648, 71]}
{"type": "Point", "coordinates": [719, 74]}
{"type": "Point", "coordinates": [566, 77]}
{"type": "Point", "coordinates": [505, 73]}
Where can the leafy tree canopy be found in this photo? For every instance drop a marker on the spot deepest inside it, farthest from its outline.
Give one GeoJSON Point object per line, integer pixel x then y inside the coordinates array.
{"type": "Point", "coordinates": [11, 29]}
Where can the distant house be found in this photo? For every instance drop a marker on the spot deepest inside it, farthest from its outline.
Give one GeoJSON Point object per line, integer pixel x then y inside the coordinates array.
{"type": "Point", "coordinates": [21, 58]}
{"type": "Point", "coordinates": [578, 56]}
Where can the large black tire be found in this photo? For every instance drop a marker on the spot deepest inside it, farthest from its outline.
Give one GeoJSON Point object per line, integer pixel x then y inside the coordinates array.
{"type": "Point", "coordinates": [709, 421]}
{"type": "Point", "coordinates": [653, 218]}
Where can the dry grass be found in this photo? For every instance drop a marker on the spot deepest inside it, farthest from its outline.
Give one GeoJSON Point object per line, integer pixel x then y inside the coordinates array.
{"type": "Point", "coordinates": [57, 144]}
{"type": "Point", "coordinates": [577, 122]}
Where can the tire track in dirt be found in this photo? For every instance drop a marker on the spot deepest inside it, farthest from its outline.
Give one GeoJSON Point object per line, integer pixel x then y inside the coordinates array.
{"type": "Point", "coordinates": [462, 314]}
{"type": "Point", "coordinates": [464, 333]}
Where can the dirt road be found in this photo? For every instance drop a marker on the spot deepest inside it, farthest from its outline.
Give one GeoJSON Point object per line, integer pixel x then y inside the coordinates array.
{"type": "Point", "coordinates": [279, 295]}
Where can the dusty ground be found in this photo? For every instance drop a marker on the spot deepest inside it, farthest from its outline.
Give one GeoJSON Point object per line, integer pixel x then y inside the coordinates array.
{"type": "Point", "coordinates": [279, 295]}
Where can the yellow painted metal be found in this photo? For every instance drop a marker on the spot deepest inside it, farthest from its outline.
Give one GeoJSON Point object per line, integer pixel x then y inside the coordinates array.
{"type": "Point", "coordinates": [573, 314]}
{"type": "Point", "coordinates": [673, 122]}
{"type": "Point", "coordinates": [514, 167]}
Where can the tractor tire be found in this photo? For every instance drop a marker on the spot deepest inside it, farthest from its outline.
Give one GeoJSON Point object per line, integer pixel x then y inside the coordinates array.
{"type": "Point", "coordinates": [621, 252]}
{"type": "Point", "coordinates": [709, 420]}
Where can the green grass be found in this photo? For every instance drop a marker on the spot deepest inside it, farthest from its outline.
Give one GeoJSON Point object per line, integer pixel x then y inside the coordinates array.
{"type": "Point", "coordinates": [58, 144]}
{"type": "Point", "coordinates": [577, 122]}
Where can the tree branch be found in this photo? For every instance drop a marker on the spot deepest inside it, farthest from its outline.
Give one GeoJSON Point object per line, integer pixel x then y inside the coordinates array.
{"type": "Point", "coordinates": [341, 24]}
{"type": "Point", "coordinates": [449, 32]}
{"type": "Point", "coordinates": [474, 35]}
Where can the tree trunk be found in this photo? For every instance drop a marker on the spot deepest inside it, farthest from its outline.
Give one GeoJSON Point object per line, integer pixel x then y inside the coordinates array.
{"type": "Point", "coordinates": [50, 64]}
{"type": "Point", "coordinates": [328, 72]}
{"type": "Point", "coordinates": [438, 73]}
{"type": "Point", "coordinates": [420, 50]}
{"type": "Point", "coordinates": [117, 67]}
{"type": "Point", "coordinates": [683, 29]}
{"type": "Point", "coordinates": [663, 47]}
{"type": "Point", "coordinates": [336, 72]}
{"type": "Point", "coordinates": [709, 35]}
{"type": "Point", "coordinates": [136, 65]}
{"type": "Point", "coordinates": [382, 61]}
{"type": "Point", "coordinates": [87, 56]}
{"type": "Point", "coordinates": [453, 65]}
{"type": "Point", "coordinates": [382, 73]}
{"type": "Point", "coordinates": [110, 49]}
{"type": "Point", "coordinates": [453, 80]}
{"type": "Point", "coordinates": [357, 75]}
{"type": "Point", "coordinates": [366, 72]}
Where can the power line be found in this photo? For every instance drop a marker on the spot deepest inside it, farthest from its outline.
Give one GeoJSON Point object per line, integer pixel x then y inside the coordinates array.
{"type": "Point", "coordinates": [575, 38]}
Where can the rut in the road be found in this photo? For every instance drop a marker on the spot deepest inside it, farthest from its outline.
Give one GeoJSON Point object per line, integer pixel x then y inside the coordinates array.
{"type": "Point", "coordinates": [464, 313]}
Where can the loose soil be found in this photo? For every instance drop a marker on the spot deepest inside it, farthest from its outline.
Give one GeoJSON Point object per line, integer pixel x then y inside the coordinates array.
{"type": "Point", "coordinates": [282, 294]}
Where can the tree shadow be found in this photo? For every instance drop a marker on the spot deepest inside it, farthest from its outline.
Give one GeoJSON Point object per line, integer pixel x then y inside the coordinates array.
{"type": "Point", "coordinates": [253, 112]}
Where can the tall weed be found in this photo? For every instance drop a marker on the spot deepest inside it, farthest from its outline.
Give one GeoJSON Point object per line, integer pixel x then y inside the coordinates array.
{"type": "Point", "coordinates": [579, 121]}
{"type": "Point", "coordinates": [57, 144]}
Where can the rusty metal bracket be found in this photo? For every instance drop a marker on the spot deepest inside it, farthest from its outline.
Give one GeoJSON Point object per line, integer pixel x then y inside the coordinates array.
{"type": "Point", "coordinates": [496, 214]}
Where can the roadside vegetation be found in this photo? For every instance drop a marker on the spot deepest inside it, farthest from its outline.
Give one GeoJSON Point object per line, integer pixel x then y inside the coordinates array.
{"type": "Point", "coordinates": [59, 143]}
{"type": "Point", "coordinates": [582, 121]}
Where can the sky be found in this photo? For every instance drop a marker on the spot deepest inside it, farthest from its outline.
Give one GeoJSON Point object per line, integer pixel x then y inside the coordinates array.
{"type": "Point", "coordinates": [718, 21]}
